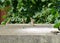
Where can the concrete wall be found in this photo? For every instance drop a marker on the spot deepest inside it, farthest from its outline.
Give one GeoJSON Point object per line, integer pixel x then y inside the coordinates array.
{"type": "Point", "coordinates": [29, 38]}
{"type": "Point", "coordinates": [10, 35]}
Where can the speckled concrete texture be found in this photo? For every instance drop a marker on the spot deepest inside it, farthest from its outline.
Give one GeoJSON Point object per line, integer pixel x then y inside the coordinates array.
{"type": "Point", "coordinates": [28, 35]}
{"type": "Point", "coordinates": [29, 39]}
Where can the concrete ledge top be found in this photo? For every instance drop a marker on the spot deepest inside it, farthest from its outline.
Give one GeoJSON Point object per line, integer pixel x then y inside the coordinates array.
{"type": "Point", "coordinates": [27, 31]}
{"type": "Point", "coordinates": [15, 26]}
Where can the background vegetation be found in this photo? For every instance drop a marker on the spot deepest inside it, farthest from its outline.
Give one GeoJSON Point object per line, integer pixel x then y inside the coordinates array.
{"type": "Point", "coordinates": [37, 11]}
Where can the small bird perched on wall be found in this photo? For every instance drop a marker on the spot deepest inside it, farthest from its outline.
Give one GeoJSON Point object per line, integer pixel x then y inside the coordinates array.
{"type": "Point", "coordinates": [32, 21]}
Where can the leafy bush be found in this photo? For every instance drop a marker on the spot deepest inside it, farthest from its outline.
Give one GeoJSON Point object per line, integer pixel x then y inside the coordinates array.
{"type": "Point", "coordinates": [41, 11]}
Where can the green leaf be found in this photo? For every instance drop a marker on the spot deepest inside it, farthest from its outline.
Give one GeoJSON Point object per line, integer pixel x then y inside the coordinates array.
{"type": "Point", "coordinates": [33, 1]}
{"type": "Point", "coordinates": [49, 18]}
{"type": "Point", "coordinates": [3, 23]}
{"type": "Point", "coordinates": [56, 15]}
{"type": "Point", "coordinates": [2, 0]}
{"type": "Point", "coordinates": [4, 16]}
{"type": "Point", "coordinates": [50, 4]}
{"type": "Point", "coordinates": [43, 0]}
{"type": "Point", "coordinates": [57, 25]}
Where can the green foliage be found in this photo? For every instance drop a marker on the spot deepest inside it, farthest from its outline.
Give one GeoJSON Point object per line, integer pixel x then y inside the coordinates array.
{"type": "Point", "coordinates": [57, 25]}
{"type": "Point", "coordinates": [42, 11]}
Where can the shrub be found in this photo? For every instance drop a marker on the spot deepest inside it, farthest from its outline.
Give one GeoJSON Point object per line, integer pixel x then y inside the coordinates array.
{"type": "Point", "coordinates": [41, 11]}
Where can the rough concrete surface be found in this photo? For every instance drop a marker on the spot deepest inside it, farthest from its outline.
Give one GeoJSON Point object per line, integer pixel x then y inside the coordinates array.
{"type": "Point", "coordinates": [29, 35]}
{"type": "Point", "coordinates": [29, 39]}
{"type": "Point", "coordinates": [15, 36]}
